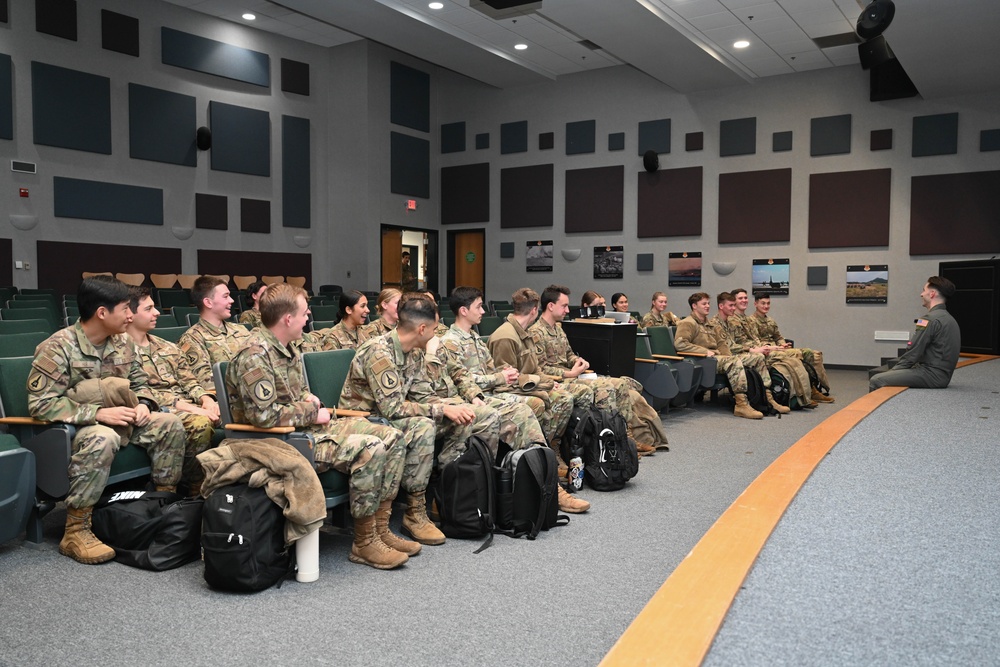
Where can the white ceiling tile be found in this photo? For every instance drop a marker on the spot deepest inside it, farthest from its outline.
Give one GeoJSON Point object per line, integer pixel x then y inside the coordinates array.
{"type": "Point", "coordinates": [827, 29]}
{"type": "Point", "coordinates": [770, 67]}
{"type": "Point", "coordinates": [719, 20]}
{"type": "Point", "coordinates": [760, 12]}
{"type": "Point", "coordinates": [694, 8]}
{"type": "Point", "coordinates": [791, 48]}
{"type": "Point", "coordinates": [773, 26]}
{"type": "Point", "coordinates": [811, 17]}
{"type": "Point", "coordinates": [843, 55]}
{"type": "Point", "coordinates": [806, 5]}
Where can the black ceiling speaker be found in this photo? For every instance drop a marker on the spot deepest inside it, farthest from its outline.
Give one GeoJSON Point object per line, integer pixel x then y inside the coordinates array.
{"type": "Point", "coordinates": [204, 138]}
{"type": "Point", "coordinates": [875, 18]}
{"type": "Point", "coordinates": [651, 161]}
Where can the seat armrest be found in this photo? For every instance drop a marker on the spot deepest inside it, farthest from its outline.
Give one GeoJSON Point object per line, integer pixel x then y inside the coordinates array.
{"type": "Point", "coordinates": [667, 357]}
{"type": "Point", "coordinates": [343, 412]}
{"type": "Point", "coordinates": [23, 421]}
{"type": "Point", "coordinates": [248, 428]}
{"type": "Point", "coordinates": [692, 354]}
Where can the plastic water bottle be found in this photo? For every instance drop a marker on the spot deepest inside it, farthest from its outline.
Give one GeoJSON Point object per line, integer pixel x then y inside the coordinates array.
{"type": "Point", "coordinates": [576, 472]}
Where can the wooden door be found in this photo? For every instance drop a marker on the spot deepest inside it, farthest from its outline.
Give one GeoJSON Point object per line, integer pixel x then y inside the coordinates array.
{"type": "Point", "coordinates": [392, 258]}
{"type": "Point", "coordinates": [469, 259]}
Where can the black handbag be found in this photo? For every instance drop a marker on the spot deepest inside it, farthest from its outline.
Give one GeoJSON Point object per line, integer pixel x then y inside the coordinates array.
{"type": "Point", "coordinates": [150, 530]}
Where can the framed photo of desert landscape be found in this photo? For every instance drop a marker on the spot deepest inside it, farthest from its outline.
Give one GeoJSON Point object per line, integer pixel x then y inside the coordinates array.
{"type": "Point", "coordinates": [868, 283]}
{"type": "Point", "coordinates": [684, 269]}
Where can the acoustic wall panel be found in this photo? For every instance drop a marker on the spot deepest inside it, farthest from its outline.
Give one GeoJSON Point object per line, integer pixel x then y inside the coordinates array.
{"type": "Point", "coordinates": [211, 211]}
{"type": "Point", "coordinates": [830, 135]}
{"type": "Point", "coordinates": [849, 209]}
{"type": "Point", "coordinates": [294, 77]}
{"type": "Point", "coordinates": [989, 140]}
{"type": "Point", "coordinates": [56, 17]}
{"type": "Point", "coordinates": [955, 213]}
{"type": "Point", "coordinates": [4, 17]}
{"type": "Point", "coordinates": [781, 142]}
{"type": "Point", "coordinates": [465, 193]}
{"type": "Point", "coordinates": [644, 261]}
{"type": "Point", "coordinates": [6, 253]}
{"type": "Point", "coordinates": [881, 140]}
{"type": "Point", "coordinates": [616, 141]}
{"type": "Point", "coordinates": [526, 196]}
{"type": "Point", "coordinates": [482, 141]}
{"type": "Point", "coordinates": [580, 137]}
{"type": "Point", "coordinates": [161, 126]}
{"type": "Point", "coordinates": [60, 263]}
{"type": "Point", "coordinates": [119, 33]}
{"type": "Point", "coordinates": [255, 217]}
{"type": "Point", "coordinates": [737, 137]}
{"type": "Point", "coordinates": [296, 174]}
{"type": "Point", "coordinates": [654, 135]}
{"type": "Point", "coordinates": [514, 137]}
{"type": "Point", "coordinates": [669, 202]}
{"type": "Point", "coordinates": [236, 263]}
{"type": "Point", "coordinates": [241, 139]}
{"type": "Point", "coordinates": [70, 109]}
{"type": "Point", "coordinates": [116, 202]}
{"type": "Point", "coordinates": [6, 97]}
{"type": "Point", "coordinates": [546, 141]}
{"type": "Point", "coordinates": [935, 135]}
{"type": "Point", "coordinates": [694, 141]}
{"type": "Point", "coordinates": [181, 49]}
{"type": "Point", "coordinates": [410, 168]}
{"type": "Point", "coordinates": [755, 206]}
{"type": "Point", "coordinates": [816, 276]}
{"type": "Point", "coordinates": [453, 137]}
{"type": "Point", "coordinates": [594, 199]}
{"type": "Point", "coordinates": [506, 249]}
{"type": "Point", "coordinates": [409, 97]}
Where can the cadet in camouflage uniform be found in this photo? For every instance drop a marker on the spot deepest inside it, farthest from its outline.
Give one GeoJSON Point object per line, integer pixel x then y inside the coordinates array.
{"type": "Point", "coordinates": [173, 385]}
{"type": "Point", "coordinates": [388, 377]}
{"type": "Point", "coordinates": [350, 331]}
{"type": "Point", "coordinates": [658, 315]}
{"type": "Point", "coordinates": [730, 336]}
{"type": "Point", "coordinates": [212, 338]}
{"type": "Point", "coordinates": [696, 335]}
{"type": "Point", "coordinates": [266, 387]}
{"type": "Point", "coordinates": [512, 345]}
{"type": "Point", "coordinates": [95, 348]}
{"type": "Point", "coordinates": [387, 305]}
{"type": "Point", "coordinates": [251, 316]}
{"type": "Point", "coordinates": [767, 332]}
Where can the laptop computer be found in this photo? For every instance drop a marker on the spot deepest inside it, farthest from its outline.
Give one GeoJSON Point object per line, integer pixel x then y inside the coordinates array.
{"type": "Point", "coordinates": [619, 318]}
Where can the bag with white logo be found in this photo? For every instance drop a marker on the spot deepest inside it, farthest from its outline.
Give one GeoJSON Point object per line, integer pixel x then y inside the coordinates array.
{"type": "Point", "coordinates": [243, 539]}
{"type": "Point", "coordinates": [609, 455]}
{"type": "Point", "coordinates": [150, 530]}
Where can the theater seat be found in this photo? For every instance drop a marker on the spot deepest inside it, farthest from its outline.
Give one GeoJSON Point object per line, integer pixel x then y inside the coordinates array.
{"type": "Point", "coordinates": [17, 487]}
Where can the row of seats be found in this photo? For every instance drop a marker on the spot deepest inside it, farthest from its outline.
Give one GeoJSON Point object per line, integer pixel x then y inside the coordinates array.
{"type": "Point", "coordinates": [186, 280]}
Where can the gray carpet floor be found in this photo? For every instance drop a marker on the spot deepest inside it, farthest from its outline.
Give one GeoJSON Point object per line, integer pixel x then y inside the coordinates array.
{"type": "Point", "coordinates": [564, 598]}
{"type": "Point", "coordinates": [888, 555]}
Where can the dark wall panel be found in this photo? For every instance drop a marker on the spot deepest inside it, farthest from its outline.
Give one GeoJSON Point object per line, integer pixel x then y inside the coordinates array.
{"type": "Point", "coordinates": [70, 109]}
{"type": "Point", "coordinates": [616, 141]}
{"type": "Point", "coordinates": [830, 135]}
{"type": "Point", "coordinates": [581, 137]}
{"type": "Point", "coordinates": [989, 140]}
{"type": "Point", "coordinates": [56, 17]}
{"type": "Point", "coordinates": [119, 33]}
{"type": "Point", "coordinates": [200, 54]}
{"type": "Point", "coordinates": [849, 209]}
{"type": "Point", "coordinates": [955, 213]}
{"type": "Point", "coordinates": [410, 169]}
{"type": "Point", "coordinates": [296, 174]}
{"type": "Point", "coordinates": [526, 196]}
{"type": "Point", "coordinates": [161, 126]}
{"type": "Point", "coordinates": [6, 98]}
{"type": "Point", "coordinates": [211, 211]}
{"type": "Point", "coordinates": [6, 262]}
{"type": "Point", "coordinates": [4, 14]}
{"type": "Point", "coordinates": [241, 139]}
{"type": "Point", "coordinates": [97, 200]}
{"type": "Point", "coordinates": [670, 202]}
{"type": "Point", "coordinates": [453, 137]}
{"type": "Point", "coordinates": [465, 193]}
{"type": "Point", "coordinates": [755, 206]}
{"type": "Point", "coordinates": [738, 137]}
{"type": "Point", "coordinates": [244, 263]}
{"type": "Point", "coordinates": [61, 264]}
{"type": "Point", "coordinates": [654, 135]}
{"type": "Point", "coordinates": [694, 141]}
{"type": "Point", "coordinates": [514, 137]}
{"type": "Point", "coordinates": [482, 141]}
{"type": "Point", "coordinates": [255, 216]}
{"type": "Point", "coordinates": [935, 135]}
{"type": "Point", "coordinates": [594, 199]}
{"type": "Point", "coordinates": [881, 140]}
{"type": "Point", "coordinates": [546, 141]}
{"type": "Point", "coordinates": [781, 142]}
{"type": "Point", "coordinates": [294, 77]}
{"type": "Point", "coordinates": [409, 97]}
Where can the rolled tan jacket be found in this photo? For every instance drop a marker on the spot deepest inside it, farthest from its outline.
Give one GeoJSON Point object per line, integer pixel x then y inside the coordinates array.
{"type": "Point", "coordinates": [109, 392]}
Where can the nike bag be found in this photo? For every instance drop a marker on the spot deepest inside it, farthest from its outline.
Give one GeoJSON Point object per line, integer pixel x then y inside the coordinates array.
{"type": "Point", "coordinates": [149, 530]}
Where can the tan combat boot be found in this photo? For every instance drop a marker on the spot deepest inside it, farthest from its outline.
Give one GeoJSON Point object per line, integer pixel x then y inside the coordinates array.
{"type": "Point", "coordinates": [562, 468]}
{"type": "Point", "coordinates": [643, 448]}
{"type": "Point", "coordinates": [79, 543]}
{"type": "Point", "coordinates": [570, 503]}
{"type": "Point", "coordinates": [368, 549]}
{"type": "Point", "coordinates": [783, 409]}
{"type": "Point", "coordinates": [417, 525]}
{"type": "Point", "coordinates": [820, 397]}
{"type": "Point", "coordinates": [170, 488]}
{"type": "Point", "coordinates": [744, 410]}
{"type": "Point", "coordinates": [388, 538]}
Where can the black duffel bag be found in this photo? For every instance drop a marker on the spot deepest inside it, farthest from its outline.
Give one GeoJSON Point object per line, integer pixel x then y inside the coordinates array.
{"type": "Point", "coordinates": [151, 530]}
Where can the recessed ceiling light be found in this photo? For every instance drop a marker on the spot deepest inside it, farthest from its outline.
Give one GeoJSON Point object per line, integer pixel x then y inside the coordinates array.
{"type": "Point", "coordinates": [250, 17]}
{"type": "Point", "coordinates": [436, 5]}
{"type": "Point", "coordinates": [520, 47]}
{"type": "Point", "coordinates": [742, 44]}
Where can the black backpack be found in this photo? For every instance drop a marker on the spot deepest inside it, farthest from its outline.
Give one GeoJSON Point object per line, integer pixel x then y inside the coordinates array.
{"type": "Point", "coordinates": [757, 394]}
{"type": "Point", "coordinates": [464, 494]}
{"type": "Point", "coordinates": [533, 499]}
{"type": "Point", "coordinates": [243, 539]}
{"type": "Point", "coordinates": [150, 530]}
{"type": "Point", "coordinates": [780, 388]}
{"type": "Point", "coordinates": [600, 438]}
{"type": "Point", "coordinates": [814, 379]}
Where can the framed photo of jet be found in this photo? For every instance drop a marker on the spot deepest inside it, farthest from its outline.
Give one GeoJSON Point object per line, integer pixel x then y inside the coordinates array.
{"type": "Point", "coordinates": [684, 269]}
{"type": "Point", "coordinates": [770, 275]}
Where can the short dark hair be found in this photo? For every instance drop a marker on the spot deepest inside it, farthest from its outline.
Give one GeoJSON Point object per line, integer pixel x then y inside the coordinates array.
{"type": "Point", "coordinates": [406, 254]}
{"type": "Point", "coordinates": [252, 290]}
{"type": "Point", "coordinates": [98, 291]}
{"type": "Point", "coordinates": [736, 292]}
{"type": "Point", "coordinates": [696, 297]}
{"type": "Point", "coordinates": [943, 286]}
{"type": "Point", "coordinates": [463, 297]}
{"type": "Point", "coordinates": [723, 297]}
{"type": "Point", "coordinates": [137, 294]}
{"type": "Point", "coordinates": [551, 295]}
{"type": "Point", "coordinates": [524, 300]}
{"type": "Point", "coordinates": [348, 299]}
{"type": "Point", "coordinates": [761, 295]}
{"type": "Point", "coordinates": [415, 308]}
{"type": "Point", "coordinates": [203, 288]}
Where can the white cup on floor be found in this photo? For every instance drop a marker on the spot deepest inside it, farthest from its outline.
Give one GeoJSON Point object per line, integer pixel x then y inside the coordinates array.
{"type": "Point", "coordinates": [307, 557]}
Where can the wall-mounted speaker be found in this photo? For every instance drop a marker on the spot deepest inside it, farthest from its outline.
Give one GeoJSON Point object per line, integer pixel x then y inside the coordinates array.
{"type": "Point", "coordinates": [204, 138]}
{"type": "Point", "coordinates": [875, 18]}
{"type": "Point", "coordinates": [651, 161]}
{"type": "Point", "coordinates": [874, 52]}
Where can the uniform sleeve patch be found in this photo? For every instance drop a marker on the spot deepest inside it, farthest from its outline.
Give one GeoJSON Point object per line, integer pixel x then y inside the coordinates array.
{"type": "Point", "coordinates": [37, 382]}
{"type": "Point", "coordinates": [263, 391]}
{"type": "Point", "coordinates": [252, 376]}
{"type": "Point", "coordinates": [382, 365]}
{"type": "Point", "coordinates": [46, 365]}
{"type": "Point", "coordinates": [388, 380]}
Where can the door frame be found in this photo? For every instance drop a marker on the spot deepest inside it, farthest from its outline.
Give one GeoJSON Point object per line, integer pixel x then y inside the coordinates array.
{"type": "Point", "coordinates": [452, 233]}
{"type": "Point", "coordinates": [433, 249]}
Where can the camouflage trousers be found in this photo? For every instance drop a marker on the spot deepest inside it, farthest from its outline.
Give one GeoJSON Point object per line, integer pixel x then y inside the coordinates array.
{"type": "Point", "coordinates": [519, 427]}
{"type": "Point", "coordinates": [198, 432]}
{"type": "Point", "coordinates": [418, 460]}
{"type": "Point", "coordinates": [454, 435]}
{"type": "Point", "coordinates": [371, 455]}
{"type": "Point", "coordinates": [606, 393]}
{"type": "Point", "coordinates": [759, 364]}
{"type": "Point", "coordinates": [556, 409]}
{"type": "Point", "coordinates": [732, 367]}
{"type": "Point", "coordinates": [95, 446]}
{"type": "Point", "coordinates": [647, 427]}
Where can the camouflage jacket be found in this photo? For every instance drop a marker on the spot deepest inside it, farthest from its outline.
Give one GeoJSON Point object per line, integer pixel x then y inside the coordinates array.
{"type": "Point", "coordinates": [376, 328]}
{"type": "Point", "coordinates": [266, 386]}
{"type": "Point", "coordinates": [654, 319]}
{"type": "Point", "coordinates": [512, 345]}
{"type": "Point", "coordinates": [552, 348]}
{"type": "Point", "coordinates": [767, 329]}
{"type": "Point", "coordinates": [170, 377]}
{"type": "Point", "coordinates": [748, 328]}
{"type": "Point", "coordinates": [449, 377]}
{"type": "Point", "coordinates": [67, 358]}
{"type": "Point", "coordinates": [251, 317]}
{"type": "Point", "coordinates": [204, 345]}
{"type": "Point", "coordinates": [470, 350]}
{"type": "Point", "coordinates": [693, 336]}
{"type": "Point", "coordinates": [730, 333]}
{"type": "Point", "coordinates": [386, 381]}
{"type": "Point", "coordinates": [339, 337]}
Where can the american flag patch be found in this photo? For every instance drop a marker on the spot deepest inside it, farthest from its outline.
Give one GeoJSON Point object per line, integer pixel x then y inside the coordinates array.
{"type": "Point", "coordinates": [921, 323]}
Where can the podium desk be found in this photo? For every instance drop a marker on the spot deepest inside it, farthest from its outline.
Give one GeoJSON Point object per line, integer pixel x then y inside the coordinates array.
{"type": "Point", "coordinates": [607, 345]}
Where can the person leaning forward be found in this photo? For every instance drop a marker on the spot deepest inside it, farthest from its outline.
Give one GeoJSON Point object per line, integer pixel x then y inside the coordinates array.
{"type": "Point", "coordinates": [267, 388]}
{"type": "Point", "coordinates": [89, 357]}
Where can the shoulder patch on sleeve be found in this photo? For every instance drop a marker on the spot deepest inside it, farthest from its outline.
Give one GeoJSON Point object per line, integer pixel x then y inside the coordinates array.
{"type": "Point", "coordinates": [252, 376]}
{"type": "Point", "coordinates": [263, 392]}
{"type": "Point", "coordinates": [388, 380]}
{"type": "Point", "coordinates": [382, 365]}
{"type": "Point", "coordinates": [37, 382]}
{"type": "Point", "coordinates": [46, 364]}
